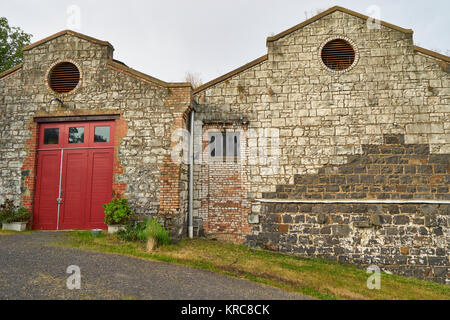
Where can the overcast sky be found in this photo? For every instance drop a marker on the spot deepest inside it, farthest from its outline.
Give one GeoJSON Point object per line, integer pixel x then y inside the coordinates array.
{"type": "Point", "coordinates": [167, 38]}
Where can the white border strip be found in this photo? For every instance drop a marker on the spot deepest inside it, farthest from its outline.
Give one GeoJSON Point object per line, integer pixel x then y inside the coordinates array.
{"type": "Point", "coordinates": [356, 201]}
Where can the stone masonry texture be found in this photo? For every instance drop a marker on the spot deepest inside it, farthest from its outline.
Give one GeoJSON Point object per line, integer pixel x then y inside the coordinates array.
{"type": "Point", "coordinates": [149, 112]}
{"type": "Point", "coordinates": [378, 131]}
{"type": "Point", "coordinates": [409, 239]}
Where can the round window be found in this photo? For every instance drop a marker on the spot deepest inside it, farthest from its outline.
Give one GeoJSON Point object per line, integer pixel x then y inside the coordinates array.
{"type": "Point", "coordinates": [64, 77]}
{"type": "Point", "coordinates": [338, 55]}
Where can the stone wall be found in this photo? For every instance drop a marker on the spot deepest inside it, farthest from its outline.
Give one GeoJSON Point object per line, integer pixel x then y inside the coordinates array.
{"type": "Point", "coordinates": [410, 238]}
{"type": "Point", "coordinates": [330, 129]}
{"type": "Point", "coordinates": [327, 119]}
{"type": "Point", "coordinates": [149, 111]}
{"type": "Point", "coordinates": [323, 117]}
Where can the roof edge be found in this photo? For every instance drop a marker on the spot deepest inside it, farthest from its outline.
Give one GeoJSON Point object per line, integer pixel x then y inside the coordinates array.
{"type": "Point", "coordinates": [232, 73]}
{"type": "Point", "coordinates": [69, 32]}
{"type": "Point", "coordinates": [11, 70]}
{"type": "Point", "coordinates": [432, 53]}
{"type": "Point", "coordinates": [137, 74]}
{"type": "Point", "coordinates": [120, 66]}
{"type": "Point", "coordinates": [179, 84]}
{"type": "Point", "coordinates": [329, 11]}
{"type": "Point", "coordinates": [145, 77]}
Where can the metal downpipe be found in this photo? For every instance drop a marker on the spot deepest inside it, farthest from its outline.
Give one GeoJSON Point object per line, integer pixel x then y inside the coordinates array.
{"type": "Point", "coordinates": [191, 177]}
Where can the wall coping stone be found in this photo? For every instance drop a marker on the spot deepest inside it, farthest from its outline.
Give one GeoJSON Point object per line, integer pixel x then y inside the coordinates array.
{"type": "Point", "coordinates": [356, 201]}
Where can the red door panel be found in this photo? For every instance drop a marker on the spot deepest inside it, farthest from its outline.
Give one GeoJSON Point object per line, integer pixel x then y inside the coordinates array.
{"type": "Point", "coordinates": [47, 188]}
{"type": "Point", "coordinates": [100, 185]}
{"type": "Point", "coordinates": [86, 175]}
{"type": "Point", "coordinates": [74, 178]}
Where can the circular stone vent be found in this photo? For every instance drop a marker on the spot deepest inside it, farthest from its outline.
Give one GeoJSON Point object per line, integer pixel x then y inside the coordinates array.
{"type": "Point", "coordinates": [338, 55]}
{"type": "Point", "coordinates": [64, 77]}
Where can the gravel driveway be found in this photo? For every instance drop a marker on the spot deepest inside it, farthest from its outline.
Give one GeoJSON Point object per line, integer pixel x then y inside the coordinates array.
{"type": "Point", "coordinates": [32, 268]}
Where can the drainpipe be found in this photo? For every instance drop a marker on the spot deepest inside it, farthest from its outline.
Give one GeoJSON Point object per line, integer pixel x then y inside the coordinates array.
{"type": "Point", "coordinates": [191, 175]}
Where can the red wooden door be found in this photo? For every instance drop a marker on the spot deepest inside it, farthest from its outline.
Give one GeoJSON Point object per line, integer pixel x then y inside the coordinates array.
{"type": "Point", "coordinates": [47, 189]}
{"type": "Point", "coordinates": [99, 189]}
{"type": "Point", "coordinates": [73, 186]}
{"type": "Point", "coordinates": [74, 175]}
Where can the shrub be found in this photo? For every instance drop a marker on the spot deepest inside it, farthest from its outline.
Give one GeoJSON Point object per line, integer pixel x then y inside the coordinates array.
{"type": "Point", "coordinates": [117, 212]}
{"type": "Point", "coordinates": [10, 213]}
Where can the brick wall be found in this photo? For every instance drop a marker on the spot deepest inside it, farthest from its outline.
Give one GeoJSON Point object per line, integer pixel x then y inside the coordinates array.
{"type": "Point", "coordinates": [222, 188]}
{"type": "Point", "coordinates": [174, 183]}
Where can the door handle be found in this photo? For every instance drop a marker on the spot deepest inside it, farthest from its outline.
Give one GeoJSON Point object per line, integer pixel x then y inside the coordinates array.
{"type": "Point", "coordinates": [60, 199]}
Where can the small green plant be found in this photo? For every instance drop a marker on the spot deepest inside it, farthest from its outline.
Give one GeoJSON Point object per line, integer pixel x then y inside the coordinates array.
{"type": "Point", "coordinates": [241, 91]}
{"type": "Point", "coordinates": [131, 232]}
{"type": "Point", "coordinates": [153, 229]}
{"type": "Point", "coordinates": [117, 212]}
{"type": "Point", "coordinates": [10, 213]}
{"type": "Point", "coordinates": [143, 231]}
{"type": "Point", "coordinates": [432, 90]}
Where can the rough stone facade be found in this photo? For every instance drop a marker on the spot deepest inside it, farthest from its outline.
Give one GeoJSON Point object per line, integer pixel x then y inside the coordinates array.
{"type": "Point", "coordinates": [407, 238]}
{"type": "Point", "coordinates": [149, 111]}
{"type": "Point", "coordinates": [349, 165]}
{"type": "Point", "coordinates": [326, 119]}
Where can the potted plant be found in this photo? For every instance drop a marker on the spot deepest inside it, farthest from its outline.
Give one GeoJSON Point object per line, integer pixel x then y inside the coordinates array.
{"type": "Point", "coordinates": [13, 218]}
{"type": "Point", "coordinates": [117, 214]}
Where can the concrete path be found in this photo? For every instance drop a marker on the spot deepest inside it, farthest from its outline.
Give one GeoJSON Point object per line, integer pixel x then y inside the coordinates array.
{"type": "Point", "coordinates": [32, 268]}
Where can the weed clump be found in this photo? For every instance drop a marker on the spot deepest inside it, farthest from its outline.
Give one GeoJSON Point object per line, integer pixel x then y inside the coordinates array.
{"type": "Point", "coordinates": [149, 231]}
